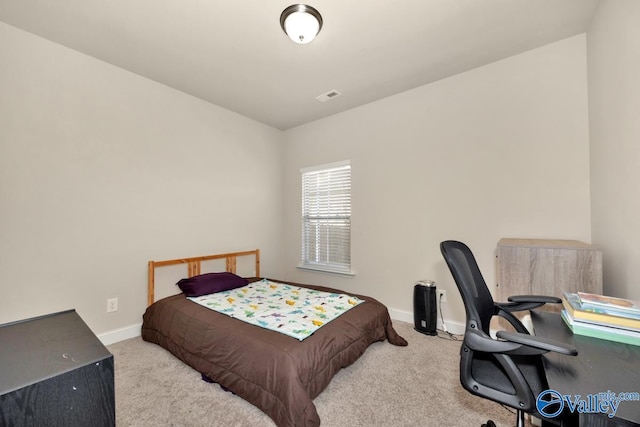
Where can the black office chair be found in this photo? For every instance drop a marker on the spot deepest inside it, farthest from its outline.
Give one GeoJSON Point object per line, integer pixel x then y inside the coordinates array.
{"type": "Point", "coordinates": [507, 370]}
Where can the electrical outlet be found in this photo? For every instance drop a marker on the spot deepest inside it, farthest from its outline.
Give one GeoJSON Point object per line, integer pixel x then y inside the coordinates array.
{"type": "Point", "coordinates": [442, 295]}
{"type": "Point", "coordinates": [112, 305]}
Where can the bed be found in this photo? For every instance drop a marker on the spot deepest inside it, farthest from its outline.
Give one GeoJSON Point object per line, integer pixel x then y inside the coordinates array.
{"type": "Point", "coordinates": [277, 373]}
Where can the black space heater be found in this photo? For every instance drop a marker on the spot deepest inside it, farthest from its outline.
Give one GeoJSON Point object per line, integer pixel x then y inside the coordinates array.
{"type": "Point", "coordinates": [425, 310]}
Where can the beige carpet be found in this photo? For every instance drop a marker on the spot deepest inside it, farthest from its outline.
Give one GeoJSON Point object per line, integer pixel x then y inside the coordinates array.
{"type": "Point", "coordinates": [416, 385]}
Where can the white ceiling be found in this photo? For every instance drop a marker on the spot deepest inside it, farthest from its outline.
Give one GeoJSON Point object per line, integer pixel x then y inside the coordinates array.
{"type": "Point", "coordinates": [235, 55]}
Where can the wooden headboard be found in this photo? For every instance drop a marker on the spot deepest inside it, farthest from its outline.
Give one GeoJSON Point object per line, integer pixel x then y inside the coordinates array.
{"type": "Point", "coordinates": [193, 267]}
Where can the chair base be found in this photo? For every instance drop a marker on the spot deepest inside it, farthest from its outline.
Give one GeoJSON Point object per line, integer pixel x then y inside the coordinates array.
{"type": "Point", "coordinates": [519, 420]}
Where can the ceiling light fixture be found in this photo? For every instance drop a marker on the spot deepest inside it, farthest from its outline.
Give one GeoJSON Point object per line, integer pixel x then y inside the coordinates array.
{"type": "Point", "coordinates": [301, 23]}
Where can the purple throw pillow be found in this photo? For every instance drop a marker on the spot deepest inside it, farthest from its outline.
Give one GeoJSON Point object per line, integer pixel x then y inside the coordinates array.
{"type": "Point", "coordinates": [210, 283]}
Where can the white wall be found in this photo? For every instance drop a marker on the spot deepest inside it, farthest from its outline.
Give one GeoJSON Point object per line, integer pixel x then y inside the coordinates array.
{"type": "Point", "coordinates": [614, 117]}
{"type": "Point", "coordinates": [499, 151]}
{"type": "Point", "coordinates": [102, 170]}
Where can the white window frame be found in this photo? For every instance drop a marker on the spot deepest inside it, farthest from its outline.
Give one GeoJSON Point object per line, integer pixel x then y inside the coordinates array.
{"type": "Point", "coordinates": [326, 218]}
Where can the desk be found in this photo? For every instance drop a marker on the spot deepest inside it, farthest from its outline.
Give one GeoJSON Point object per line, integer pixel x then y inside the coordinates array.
{"type": "Point", "coordinates": [600, 366]}
{"type": "Point", "coordinates": [55, 372]}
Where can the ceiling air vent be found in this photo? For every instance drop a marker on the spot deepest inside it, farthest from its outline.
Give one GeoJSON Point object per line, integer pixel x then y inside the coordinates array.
{"type": "Point", "coordinates": [327, 96]}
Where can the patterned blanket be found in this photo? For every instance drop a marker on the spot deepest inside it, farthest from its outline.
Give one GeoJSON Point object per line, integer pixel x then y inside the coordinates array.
{"type": "Point", "coordinates": [290, 310]}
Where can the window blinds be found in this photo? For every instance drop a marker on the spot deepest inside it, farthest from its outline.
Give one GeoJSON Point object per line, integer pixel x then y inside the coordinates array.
{"type": "Point", "coordinates": [326, 218]}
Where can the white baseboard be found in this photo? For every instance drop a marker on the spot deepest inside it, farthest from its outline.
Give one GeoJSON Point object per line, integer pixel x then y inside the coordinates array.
{"type": "Point", "coordinates": [133, 331]}
{"type": "Point", "coordinates": [403, 316]}
{"type": "Point", "coordinates": [121, 334]}
{"type": "Point", "coordinates": [407, 316]}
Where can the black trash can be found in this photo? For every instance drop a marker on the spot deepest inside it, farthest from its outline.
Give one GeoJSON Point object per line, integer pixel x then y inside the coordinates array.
{"type": "Point", "coordinates": [425, 310]}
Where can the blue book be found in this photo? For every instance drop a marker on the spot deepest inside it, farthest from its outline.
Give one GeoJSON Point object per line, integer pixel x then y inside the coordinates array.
{"type": "Point", "coordinates": [602, 332]}
{"type": "Point", "coordinates": [610, 305]}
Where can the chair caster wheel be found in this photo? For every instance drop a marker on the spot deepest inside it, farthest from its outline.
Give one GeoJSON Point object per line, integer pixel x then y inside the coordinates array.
{"type": "Point", "coordinates": [489, 424]}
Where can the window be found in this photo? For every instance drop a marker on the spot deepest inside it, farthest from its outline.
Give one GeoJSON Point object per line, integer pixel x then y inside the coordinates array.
{"type": "Point", "coordinates": [326, 217]}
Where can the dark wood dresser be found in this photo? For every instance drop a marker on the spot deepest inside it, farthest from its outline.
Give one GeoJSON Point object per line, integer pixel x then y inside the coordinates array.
{"type": "Point", "coordinates": [55, 372]}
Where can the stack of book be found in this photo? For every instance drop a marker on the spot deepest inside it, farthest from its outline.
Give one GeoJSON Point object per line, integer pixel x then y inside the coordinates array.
{"type": "Point", "coordinates": [599, 316]}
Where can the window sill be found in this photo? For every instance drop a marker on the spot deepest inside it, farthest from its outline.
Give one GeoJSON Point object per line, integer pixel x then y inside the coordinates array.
{"type": "Point", "coordinates": [326, 270]}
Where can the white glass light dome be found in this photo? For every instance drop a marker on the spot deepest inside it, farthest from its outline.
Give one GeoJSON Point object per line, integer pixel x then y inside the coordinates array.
{"type": "Point", "coordinates": [301, 22]}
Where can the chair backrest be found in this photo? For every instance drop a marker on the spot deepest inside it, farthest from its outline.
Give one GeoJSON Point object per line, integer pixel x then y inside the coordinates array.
{"type": "Point", "coordinates": [512, 380]}
{"type": "Point", "coordinates": [477, 299]}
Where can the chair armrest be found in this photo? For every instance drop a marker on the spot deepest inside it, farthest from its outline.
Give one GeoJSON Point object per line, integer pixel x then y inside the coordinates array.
{"type": "Point", "coordinates": [545, 299]}
{"type": "Point", "coordinates": [527, 302]}
{"type": "Point", "coordinates": [477, 340]}
{"type": "Point", "coordinates": [538, 342]}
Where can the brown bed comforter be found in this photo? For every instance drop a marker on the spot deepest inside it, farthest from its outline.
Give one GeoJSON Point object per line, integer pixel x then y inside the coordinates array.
{"type": "Point", "coordinates": [277, 373]}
